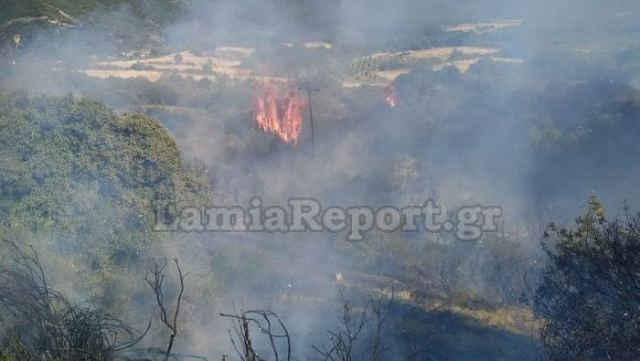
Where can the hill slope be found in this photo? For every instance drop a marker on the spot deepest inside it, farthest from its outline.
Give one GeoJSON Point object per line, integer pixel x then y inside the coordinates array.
{"type": "Point", "coordinates": [20, 20]}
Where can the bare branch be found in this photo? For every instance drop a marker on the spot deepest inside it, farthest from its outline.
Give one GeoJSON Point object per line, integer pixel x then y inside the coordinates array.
{"type": "Point", "coordinates": [155, 277]}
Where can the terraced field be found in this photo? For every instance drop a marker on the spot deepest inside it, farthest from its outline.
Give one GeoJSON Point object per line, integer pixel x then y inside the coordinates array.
{"type": "Point", "coordinates": [378, 69]}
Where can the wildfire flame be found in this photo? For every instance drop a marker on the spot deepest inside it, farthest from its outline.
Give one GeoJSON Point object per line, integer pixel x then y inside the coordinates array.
{"type": "Point", "coordinates": [390, 96]}
{"type": "Point", "coordinates": [282, 117]}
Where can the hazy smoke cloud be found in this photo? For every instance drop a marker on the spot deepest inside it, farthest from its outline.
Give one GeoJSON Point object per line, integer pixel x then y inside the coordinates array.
{"type": "Point", "coordinates": [460, 138]}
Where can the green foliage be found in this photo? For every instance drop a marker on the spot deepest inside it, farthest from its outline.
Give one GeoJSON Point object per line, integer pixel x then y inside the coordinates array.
{"type": "Point", "coordinates": [77, 172]}
{"type": "Point", "coordinates": [588, 295]}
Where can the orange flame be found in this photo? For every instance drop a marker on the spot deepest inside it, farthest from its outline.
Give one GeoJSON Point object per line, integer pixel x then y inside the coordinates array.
{"type": "Point", "coordinates": [282, 118]}
{"type": "Point", "coordinates": [390, 96]}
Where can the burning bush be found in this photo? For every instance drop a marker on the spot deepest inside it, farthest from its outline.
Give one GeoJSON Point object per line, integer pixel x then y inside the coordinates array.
{"type": "Point", "coordinates": [282, 117]}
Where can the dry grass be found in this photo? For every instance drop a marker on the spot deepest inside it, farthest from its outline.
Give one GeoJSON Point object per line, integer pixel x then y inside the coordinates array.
{"type": "Point", "coordinates": [222, 62]}
{"type": "Point", "coordinates": [228, 62]}
{"type": "Point", "coordinates": [483, 27]}
{"type": "Point", "coordinates": [517, 320]}
{"type": "Point", "coordinates": [125, 74]}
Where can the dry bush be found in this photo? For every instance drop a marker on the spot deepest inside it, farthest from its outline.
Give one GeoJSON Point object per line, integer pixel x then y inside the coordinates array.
{"type": "Point", "coordinates": [360, 335]}
{"type": "Point", "coordinates": [39, 323]}
{"type": "Point", "coordinates": [269, 324]}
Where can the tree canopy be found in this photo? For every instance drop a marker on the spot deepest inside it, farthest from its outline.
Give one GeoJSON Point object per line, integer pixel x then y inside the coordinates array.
{"type": "Point", "coordinates": [590, 290]}
{"type": "Point", "coordinates": [75, 171]}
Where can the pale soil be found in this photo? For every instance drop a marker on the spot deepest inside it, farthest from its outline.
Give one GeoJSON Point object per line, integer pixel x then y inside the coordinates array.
{"type": "Point", "coordinates": [223, 61]}
{"type": "Point", "coordinates": [436, 53]}
{"type": "Point", "coordinates": [318, 44]}
{"type": "Point", "coordinates": [464, 65]}
{"type": "Point", "coordinates": [391, 75]}
{"type": "Point", "coordinates": [23, 20]}
{"type": "Point", "coordinates": [483, 27]}
{"type": "Point", "coordinates": [442, 55]}
{"type": "Point", "coordinates": [124, 74]}
{"type": "Point", "coordinates": [228, 62]}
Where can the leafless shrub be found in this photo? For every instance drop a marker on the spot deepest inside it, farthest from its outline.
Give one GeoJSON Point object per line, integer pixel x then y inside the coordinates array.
{"type": "Point", "coordinates": [268, 323]}
{"type": "Point", "coordinates": [345, 343]}
{"type": "Point", "coordinates": [380, 313]}
{"type": "Point", "coordinates": [155, 278]}
{"type": "Point", "coordinates": [42, 324]}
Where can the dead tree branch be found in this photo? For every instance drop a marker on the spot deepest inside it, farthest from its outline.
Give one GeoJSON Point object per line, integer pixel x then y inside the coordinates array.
{"type": "Point", "coordinates": [345, 343]}
{"type": "Point", "coordinates": [268, 323]}
{"type": "Point", "coordinates": [155, 278]}
{"type": "Point", "coordinates": [380, 311]}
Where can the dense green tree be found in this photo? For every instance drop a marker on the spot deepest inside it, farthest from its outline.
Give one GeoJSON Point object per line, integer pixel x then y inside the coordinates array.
{"type": "Point", "coordinates": [590, 291]}
{"type": "Point", "coordinates": [77, 174]}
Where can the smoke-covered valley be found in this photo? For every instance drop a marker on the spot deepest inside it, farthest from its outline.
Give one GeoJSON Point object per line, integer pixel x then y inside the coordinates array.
{"type": "Point", "coordinates": [108, 106]}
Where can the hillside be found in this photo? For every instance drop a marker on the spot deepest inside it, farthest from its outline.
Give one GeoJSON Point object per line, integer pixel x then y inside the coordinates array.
{"type": "Point", "coordinates": [377, 180]}
{"type": "Point", "coordinates": [77, 179]}
{"type": "Point", "coordinates": [20, 21]}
